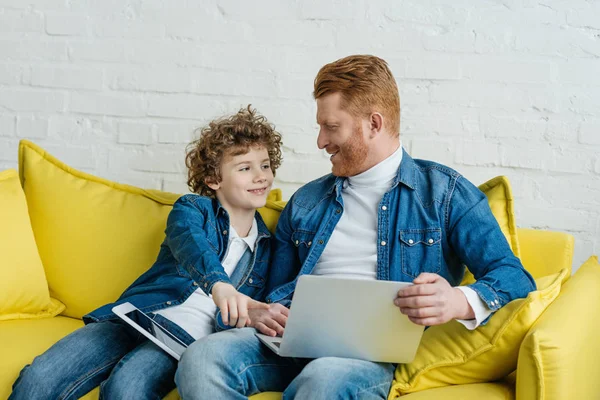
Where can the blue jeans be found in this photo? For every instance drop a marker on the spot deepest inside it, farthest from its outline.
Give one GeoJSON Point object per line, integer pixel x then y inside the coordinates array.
{"type": "Point", "coordinates": [234, 365]}
{"type": "Point", "coordinates": [113, 355]}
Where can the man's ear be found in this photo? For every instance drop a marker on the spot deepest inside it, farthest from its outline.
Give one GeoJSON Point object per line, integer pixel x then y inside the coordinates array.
{"type": "Point", "coordinates": [376, 124]}
{"type": "Point", "coordinates": [211, 184]}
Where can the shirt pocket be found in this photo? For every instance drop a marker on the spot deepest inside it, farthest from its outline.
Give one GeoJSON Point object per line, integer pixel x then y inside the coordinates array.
{"type": "Point", "coordinates": [421, 251]}
{"type": "Point", "coordinates": [303, 240]}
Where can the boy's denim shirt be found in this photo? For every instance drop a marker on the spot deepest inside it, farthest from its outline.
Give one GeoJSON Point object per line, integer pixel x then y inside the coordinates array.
{"type": "Point", "coordinates": [431, 220]}
{"type": "Point", "coordinates": [190, 257]}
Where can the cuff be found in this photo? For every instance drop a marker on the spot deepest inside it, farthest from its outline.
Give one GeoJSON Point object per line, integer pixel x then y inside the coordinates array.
{"type": "Point", "coordinates": [480, 308]}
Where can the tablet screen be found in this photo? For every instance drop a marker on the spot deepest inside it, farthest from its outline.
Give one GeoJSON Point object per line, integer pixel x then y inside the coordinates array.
{"type": "Point", "coordinates": [157, 331]}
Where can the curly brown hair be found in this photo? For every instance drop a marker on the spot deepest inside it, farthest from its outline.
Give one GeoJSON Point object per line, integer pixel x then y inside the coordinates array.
{"type": "Point", "coordinates": [229, 136]}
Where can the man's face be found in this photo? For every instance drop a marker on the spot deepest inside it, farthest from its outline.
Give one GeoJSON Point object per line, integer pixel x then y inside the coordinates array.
{"type": "Point", "coordinates": [341, 135]}
{"type": "Point", "coordinates": [245, 181]}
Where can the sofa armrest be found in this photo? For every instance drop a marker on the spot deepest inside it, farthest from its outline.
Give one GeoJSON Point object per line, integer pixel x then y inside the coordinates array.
{"type": "Point", "coordinates": [545, 252]}
{"type": "Point", "coordinates": [559, 357]}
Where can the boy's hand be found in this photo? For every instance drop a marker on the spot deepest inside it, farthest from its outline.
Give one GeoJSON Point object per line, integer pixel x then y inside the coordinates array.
{"type": "Point", "coordinates": [234, 305]}
{"type": "Point", "coordinates": [271, 322]}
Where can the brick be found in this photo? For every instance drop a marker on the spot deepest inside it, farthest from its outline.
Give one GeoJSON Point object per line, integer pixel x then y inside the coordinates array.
{"type": "Point", "coordinates": [135, 133]}
{"type": "Point", "coordinates": [441, 68]}
{"type": "Point", "coordinates": [449, 41]}
{"type": "Point", "coordinates": [297, 33]}
{"type": "Point", "coordinates": [583, 101]}
{"type": "Point", "coordinates": [120, 27]}
{"type": "Point", "coordinates": [589, 132]}
{"type": "Point", "coordinates": [227, 83]}
{"type": "Point", "coordinates": [67, 77]}
{"type": "Point", "coordinates": [7, 125]}
{"type": "Point", "coordinates": [32, 50]}
{"type": "Point", "coordinates": [494, 70]}
{"type": "Point", "coordinates": [38, 4]}
{"type": "Point", "coordinates": [579, 72]}
{"type": "Point", "coordinates": [597, 166]}
{"type": "Point", "coordinates": [584, 16]}
{"type": "Point", "coordinates": [561, 131]}
{"type": "Point", "coordinates": [478, 153]}
{"type": "Point", "coordinates": [555, 218]}
{"type": "Point", "coordinates": [68, 129]}
{"type": "Point", "coordinates": [9, 152]}
{"type": "Point", "coordinates": [500, 127]}
{"type": "Point", "coordinates": [28, 100]}
{"type": "Point", "coordinates": [177, 132]}
{"type": "Point", "coordinates": [299, 143]}
{"type": "Point", "coordinates": [260, 10]}
{"type": "Point", "coordinates": [525, 155]}
{"type": "Point", "coordinates": [107, 104]}
{"type": "Point", "coordinates": [66, 24]}
{"type": "Point", "coordinates": [570, 160]}
{"type": "Point", "coordinates": [434, 149]}
{"type": "Point", "coordinates": [32, 127]}
{"type": "Point", "coordinates": [184, 106]}
{"type": "Point", "coordinates": [150, 79]}
{"type": "Point", "coordinates": [101, 51]}
{"type": "Point", "coordinates": [175, 186]}
{"type": "Point", "coordinates": [10, 74]}
{"type": "Point", "coordinates": [167, 161]}
{"type": "Point", "coordinates": [163, 52]}
{"type": "Point", "coordinates": [31, 21]}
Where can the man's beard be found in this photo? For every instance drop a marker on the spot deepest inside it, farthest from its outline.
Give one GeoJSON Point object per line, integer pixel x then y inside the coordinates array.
{"type": "Point", "coordinates": [352, 155]}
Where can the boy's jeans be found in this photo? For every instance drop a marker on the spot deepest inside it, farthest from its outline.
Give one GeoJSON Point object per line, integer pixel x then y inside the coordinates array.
{"type": "Point", "coordinates": [234, 364]}
{"type": "Point", "coordinates": [111, 354]}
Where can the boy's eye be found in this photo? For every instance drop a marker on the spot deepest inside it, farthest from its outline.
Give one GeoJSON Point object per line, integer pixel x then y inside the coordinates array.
{"type": "Point", "coordinates": [266, 166]}
{"type": "Point", "coordinates": [245, 169]}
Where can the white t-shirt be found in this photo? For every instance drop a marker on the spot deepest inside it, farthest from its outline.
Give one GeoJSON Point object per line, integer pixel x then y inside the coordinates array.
{"type": "Point", "coordinates": [196, 315]}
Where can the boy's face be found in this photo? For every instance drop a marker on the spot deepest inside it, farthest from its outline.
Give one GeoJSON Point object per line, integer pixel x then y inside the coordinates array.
{"type": "Point", "coordinates": [245, 181]}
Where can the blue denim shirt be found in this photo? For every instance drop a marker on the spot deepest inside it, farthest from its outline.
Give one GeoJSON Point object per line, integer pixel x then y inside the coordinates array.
{"type": "Point", "coordinates": [431, 220]}
{"type": "Point", "coordinates": [190, 258]}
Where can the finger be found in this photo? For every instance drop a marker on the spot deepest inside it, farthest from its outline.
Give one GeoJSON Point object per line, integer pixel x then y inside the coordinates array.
{"type": "Point", "coordinates": [281, 319]}
{"type": "Point", "coordinates": [415, 301]}
{"type": "Point", "coordinates": [417, 290]}
{"type": "Point", "coordinates": [224, 312]}
{"type": "Point", "coordinates": [426, 321]}
{"type": "Point", "coordinates": [233, 312]}
{"type": "Point", "coordinates": [427, 312]}
{"type": "Point", "coordinates": [426, 277]}
{"type": "Point", "coordinates": [242, 314]}
{"type": "Point", "coordinates": [285, 311]}
{"type": "Point", "coordinates": [257, 304]}
{"type": "Point", "coordinates": [262, 328]}
{"type": "Point", "coordinates": [275, 326]}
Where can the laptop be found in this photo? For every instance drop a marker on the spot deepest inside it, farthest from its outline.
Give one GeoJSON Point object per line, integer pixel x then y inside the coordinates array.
{"type": "Point", "coordinates": [142, 322]}
{"type": "Point", "coordinates": [350, 318]}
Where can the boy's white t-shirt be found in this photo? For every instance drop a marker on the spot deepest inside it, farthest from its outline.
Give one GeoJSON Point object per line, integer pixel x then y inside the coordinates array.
{"type": "Point", "coordinates": [196, 315]}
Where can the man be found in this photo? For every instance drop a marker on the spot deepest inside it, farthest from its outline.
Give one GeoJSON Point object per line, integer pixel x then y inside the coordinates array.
{"type": "Point", "coordinates": [379, 215]}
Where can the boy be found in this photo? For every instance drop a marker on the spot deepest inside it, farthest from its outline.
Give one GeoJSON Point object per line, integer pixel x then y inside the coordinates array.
{"type": "Point", "coordinates": [216, 244]}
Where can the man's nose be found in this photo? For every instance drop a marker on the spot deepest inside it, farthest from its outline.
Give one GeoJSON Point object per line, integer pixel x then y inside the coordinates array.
{"type": "Point", "coordinates": [322, 141]}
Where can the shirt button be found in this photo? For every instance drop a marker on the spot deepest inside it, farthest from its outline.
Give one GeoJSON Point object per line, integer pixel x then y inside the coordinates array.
{"type": "Point", "coordinates": [250, 280]}
{"type": "Point", "coordinates": [225, 232]}
{"type": "Point", "coordinates": [320, 242]}
{"type": "Point", "coordinates": [297, 242]}
{"type": "Point", "coordinates": [410, 241]}
{"type": "Point", "coordinates": [383, 208]}
{"type": "Point", "coordinates": [338, 211]}
{"type": "Point", "coordinates": [268, 301]}
{"type": "Point", "coordinates": [430, 241]}
{"type": "Point", "coordinates": [383, 243]}
{"type": "Point", "coordinates": [168, 303]}
{"type": "Point", "coordinates": [206, 285]}
{"type": "Point", "coordinates": [195, 283]}
{"type": "Point", "coordinates": [309, 243]}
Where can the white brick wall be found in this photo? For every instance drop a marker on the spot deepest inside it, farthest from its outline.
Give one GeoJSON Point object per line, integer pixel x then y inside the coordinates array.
{"type": "Point", "coordinates": [117, 87]}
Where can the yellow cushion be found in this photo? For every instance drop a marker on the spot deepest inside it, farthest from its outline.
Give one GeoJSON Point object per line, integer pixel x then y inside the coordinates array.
{"type": "Point", "coordinates": [560, 356]}
{"type": "Point", "coordinates": [22, 340]}
{"type": "Point", "coordinates": [23, 287]}
{"type": "Point", "coordinates": [451, 354]}
{"type": "Point", "coordinates": [500, 199]}
{"type": "Point", "coordinates": [95, 237]}
{"type": "Point", "coordinates": [484, 391]}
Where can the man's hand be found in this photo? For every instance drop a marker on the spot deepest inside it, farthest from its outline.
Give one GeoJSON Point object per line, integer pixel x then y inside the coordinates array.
{"type": "Point", "coordinates": [432, 301]}
{"type": "Point", "coordinates": [271, 322]}
{"type": "Point", "coordinates": [234, 305]}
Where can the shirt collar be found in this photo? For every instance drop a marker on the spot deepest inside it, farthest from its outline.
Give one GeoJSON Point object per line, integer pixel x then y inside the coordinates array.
{"type": "Point", "coordinates": [250, 240]}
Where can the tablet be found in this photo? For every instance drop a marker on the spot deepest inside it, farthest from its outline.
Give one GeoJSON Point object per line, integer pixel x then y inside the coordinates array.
{"type": "Point", "coordinates": [151, 329]}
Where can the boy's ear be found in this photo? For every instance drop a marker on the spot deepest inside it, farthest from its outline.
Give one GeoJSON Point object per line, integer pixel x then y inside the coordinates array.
{"type": "Point", "coordinates": [211, 184]}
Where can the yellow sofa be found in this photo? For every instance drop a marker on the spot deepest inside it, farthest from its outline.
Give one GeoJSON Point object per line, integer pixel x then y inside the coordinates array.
{"type": "Point", "coordinates": [558, 348]}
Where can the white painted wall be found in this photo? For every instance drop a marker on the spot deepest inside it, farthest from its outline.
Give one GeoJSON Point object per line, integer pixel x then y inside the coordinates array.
{"type": "Point", "coordinates": [116, 87]}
